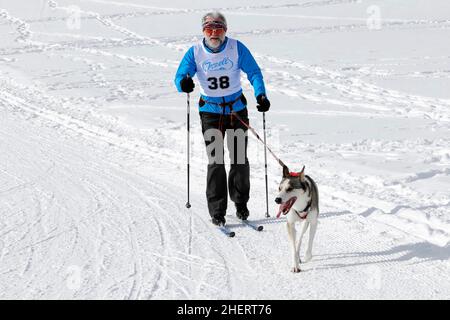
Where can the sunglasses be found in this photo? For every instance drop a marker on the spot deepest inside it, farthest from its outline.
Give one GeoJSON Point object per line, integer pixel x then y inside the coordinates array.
{"type": "Point", "coordinates": [209, 31]}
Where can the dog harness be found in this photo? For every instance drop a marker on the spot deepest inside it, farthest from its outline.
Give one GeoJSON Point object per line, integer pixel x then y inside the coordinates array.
{"type": "Point", "coordinates": [305, 211]}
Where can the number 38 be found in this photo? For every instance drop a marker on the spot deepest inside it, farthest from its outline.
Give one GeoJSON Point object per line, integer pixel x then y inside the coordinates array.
{"type": "Point", "coordinates": [222, 82]}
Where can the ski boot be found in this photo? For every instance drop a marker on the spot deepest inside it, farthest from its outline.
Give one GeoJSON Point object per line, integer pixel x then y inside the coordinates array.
{"type": "Point", "coordinates": [218, 220]}
{"type": "Point", "coordinates": [242, 211]}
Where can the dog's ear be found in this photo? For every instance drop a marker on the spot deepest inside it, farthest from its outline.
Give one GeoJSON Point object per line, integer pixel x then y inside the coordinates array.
{"type": "Point", "coordinates": [301, 175]}
{"type": "Point", "coordinates": [285, 171]}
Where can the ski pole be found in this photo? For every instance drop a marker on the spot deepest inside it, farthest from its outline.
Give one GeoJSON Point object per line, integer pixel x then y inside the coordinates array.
{"type": "Point", "coordinates": [188, 205]}
{"type": "Point", "coordinates": [265, 165]}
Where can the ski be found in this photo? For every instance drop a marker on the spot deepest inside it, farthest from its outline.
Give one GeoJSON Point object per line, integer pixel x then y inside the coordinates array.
{"type": "Point", "coordinates": [226, 231]}
{"type": "Point", "coordinates": [252, 225]}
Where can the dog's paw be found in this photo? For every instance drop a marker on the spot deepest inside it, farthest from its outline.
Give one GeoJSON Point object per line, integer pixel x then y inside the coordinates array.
{"type": "Point", "coordinates": [295, 270]}
{"type": "Point", "coordinates": [308, 257]}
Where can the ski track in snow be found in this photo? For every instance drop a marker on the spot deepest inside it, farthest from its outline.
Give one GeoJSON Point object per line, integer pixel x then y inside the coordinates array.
{"type": "Point", "coordinates": [88, 209]}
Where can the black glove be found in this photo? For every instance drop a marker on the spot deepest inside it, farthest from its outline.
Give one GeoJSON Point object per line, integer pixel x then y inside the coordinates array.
{"type": "Point", "coordinates": [263, 103]}
{"type": "Point", "coordinates": [187, 84]}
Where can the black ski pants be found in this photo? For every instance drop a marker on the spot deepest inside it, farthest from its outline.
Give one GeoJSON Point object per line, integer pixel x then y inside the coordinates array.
{"type": "Point", "coordinates": [214, 128]}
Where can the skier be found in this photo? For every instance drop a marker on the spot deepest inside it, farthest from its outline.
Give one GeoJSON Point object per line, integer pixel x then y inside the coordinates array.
{"type": "Point", "coordinates": [218, 60]}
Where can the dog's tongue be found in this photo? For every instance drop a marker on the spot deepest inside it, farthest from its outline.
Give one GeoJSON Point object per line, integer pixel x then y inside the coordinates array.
{"type": "Point", "coordinates": [288, 204]}
{"type": "Point", "coordinates": [280, 210]}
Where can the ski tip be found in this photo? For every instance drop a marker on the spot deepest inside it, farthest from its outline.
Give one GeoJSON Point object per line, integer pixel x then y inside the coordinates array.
{"type": "Point", "coordinates": [226, 231]}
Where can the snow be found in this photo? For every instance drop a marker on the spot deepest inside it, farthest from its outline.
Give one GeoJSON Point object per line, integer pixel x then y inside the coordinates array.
{"type": "Point", "coordinates": [93, 140]}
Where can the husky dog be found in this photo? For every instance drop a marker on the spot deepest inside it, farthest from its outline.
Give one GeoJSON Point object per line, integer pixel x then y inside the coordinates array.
{"type": "Point", "coordinates": [298, 198]}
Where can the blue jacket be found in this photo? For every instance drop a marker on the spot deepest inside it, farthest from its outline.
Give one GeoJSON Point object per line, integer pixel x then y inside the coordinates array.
{"type": "Point", "coordinates": [246, 63]}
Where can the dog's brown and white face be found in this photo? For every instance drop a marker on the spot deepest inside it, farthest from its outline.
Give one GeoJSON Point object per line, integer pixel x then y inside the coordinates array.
{"type": "Point", "coordinates": [293, 186]}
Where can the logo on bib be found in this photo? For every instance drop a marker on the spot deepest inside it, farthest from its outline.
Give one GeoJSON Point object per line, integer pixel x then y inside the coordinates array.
{"type": "Point", "coordinates": [225, 64]}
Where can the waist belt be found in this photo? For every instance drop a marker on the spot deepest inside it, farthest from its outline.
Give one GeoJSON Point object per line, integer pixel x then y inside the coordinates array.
{"type": "Point", "coordinates": [224, 104]}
